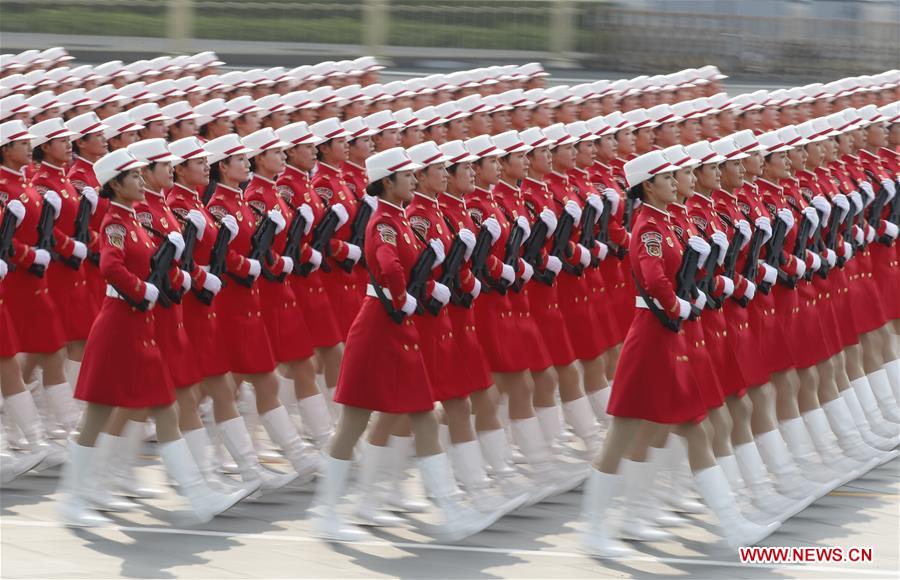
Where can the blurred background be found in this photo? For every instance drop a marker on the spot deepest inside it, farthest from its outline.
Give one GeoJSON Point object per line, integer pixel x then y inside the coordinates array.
{"type": "Point", "coordinates": [748, 39]}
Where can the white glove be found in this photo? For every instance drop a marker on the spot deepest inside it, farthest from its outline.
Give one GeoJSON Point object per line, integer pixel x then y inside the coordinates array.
{"type": "Point", "coordinates": [493, 227]}
{"type": "Point", "coordinates": [4, 268]}
{"type": "Point", "coordinates": [729, 286]}
{"type": "Point", "coordinates": [371, 201]}
{"type": "Point", "coordinates": [720, 239]}
{"type": "Point", "coordinates": [476, 289]}
{"type": "Point", "coordinates": [185, 281]}
{"type": "Point", "coordinates": [341, 212]}
{"type": "Point", "coordinates": [585, 257]}
{"type": "Point", "coordinates": [816, 260]}
{"type": "Point", "coordinates": [90, 194]}
{"type": "Point", "coordinates": [79, 250]}
{"type": "Point", "coordinates": [212, 283]}
{"type": "Point", "coordinates": [16, 208]}
{"type": "Point", "coordinates": [744, 227]}
{"type": "Point", "coordinates": [177, 240]}
{"type": "Point", "coordinates": [848, 250]}
{"type": "Point", "coordinates": [890, 229]}
{"type": "Point", "coordinates": [468, 239]}
{"type": "Point", "coordinates": [288, 264]}
{"type": "Point", "coordinates": [830, 257]}
{"type": "Point", "coordinates": [548, 217]}
{"type": "Point", "coordinates": [523, 225]}
{"type": "Point", "coordinates": [554, 264]}
{"type": "Point", "coordinates": [410, 305]}
{"type": "Point", "coordinates": [527, 271]}
{"type": "Point", "coordinates": [255, 268]}
{"type": "Point", "coordinates": [573, 210]}
{"type": "Point", "coordinates": [890, 187]}
{"type": "Point", "coordinates": [843, 203]}
{"type": "Point", "coordinates": [870, 234]}
{"type": "Point", "coordinates": [438, 247]}
{"type": "Point", "coordinates": [700, 301]}
{"type": "Point", "coordinates": [751, 290]}
{"type": "Point", "coordinates": [41, 257]}
{"type": "Point", "coordinates": [700, 246]}
{"type": "Point", "coordinates": [684, 308]}
{"type": "Point", "coordinates": [596, 202]}
{"type": "Point", "coordinates": [151, 293]}
{"type": "Point", "coordinates": [231, 224]}
{"type": "Point", "coordinates": [441, 293]}
{"type": "Point", "coordinates": [55, 202]}
{"type": "Point", "coordinates": [821, 204]}
{"type": "Point", "coordinates": [787, 217]}
{"type": "Point", "coordinates": [765, 225]}
{"type": "Point", "coordinates": [197, 218]}
{"type": "Point", "coordinates": [315, 259]}
{"type": "Point", "coordinates": [857, 201]}
{"type": "Point", "coordinates": [353, 252]}
{"type": "Point", "coordinates": [867, 189]}
{"type": "Point", "coordinates": [306, 213]}
{"type": "Point", "coordinates": [602, 250]}
{"type": "Point", "coordinates": [770, 274]}
{"type": "Point", "coordinates": [813, 216]}
{"type": "Point", "coordinates": [279, 220]}
{"type": "Point", "coordinates": [507, 274]}
{"type": "Point", "coordinates": [612, 196]}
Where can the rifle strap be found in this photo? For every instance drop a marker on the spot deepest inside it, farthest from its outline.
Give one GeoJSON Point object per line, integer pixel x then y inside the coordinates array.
{"type": "Point", "coordinates": [382, 297]}
{"type": "Point", "coordinates": [652, 307]}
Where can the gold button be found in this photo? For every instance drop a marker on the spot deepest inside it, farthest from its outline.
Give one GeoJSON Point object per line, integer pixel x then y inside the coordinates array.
{"type": "Point", "coordinates": [405, 347]}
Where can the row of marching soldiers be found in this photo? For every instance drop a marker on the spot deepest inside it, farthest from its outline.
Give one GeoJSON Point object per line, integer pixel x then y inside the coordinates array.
{"type": "Point", "coordinates": [490, 274]}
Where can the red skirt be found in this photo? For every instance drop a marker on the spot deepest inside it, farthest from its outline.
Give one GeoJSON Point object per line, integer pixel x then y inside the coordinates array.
{"type": "Point", "coordinates": [498, 334]}
{"type": "Point", "coordinates": [543, 304]}
{"type": "Point", "coordinates": [846, 325]}
{"type": "Point", "coordinates": [767, 324]}
{"type": "Point", "coordinates": [625, 293]}
{"type": "Point", "coordinates": [744, 344]}
{"type": "Point", "coordinates": [865, 296]}
{"type": "Point", "coordinates": [702, 365]}
{"type": "Point", "coordinates": [201, 326]}
{"type": "Point", "coordinates": [722, 353]}
{"type": "Point", "coordinates": [77, 308]}
{"type": "Point", "coordinates": [123, 365]}
{"type": "Point", "coordinates": [886, 274]}
{"type": "Point", "coordinates": [32, 313]}
{"type": "Point", "coordinates": [608, 302]}
{"type": "Point", "coordinates": [472, 368]}
{"type": "Point", "coordinates": [532, 340]}
{"type": "Point", "coordinates": [317, 309]}
{"type": "Point", "coordinates": [175, 347]}
{"type": "Point", "coordinates": [285, 322]}
{"type": "Point", "coordinates": [9, 344]}
{"type": "Point", "coordinates": [95, 282]}
{"type": "Point", "coordinates": [654, 380]}
{"type": "Point", "coordinates": [345, 296]}
{"type": "Point", "coordinates": [441, 355]}
{"type": "Point", "coordinates": [580, 317]}
{"type": "Point", "coordinates": [248, 348]}
{"type": "Point", "coordinates": [607, 327]}
{"type": "Point", "coordinates": [383, 367]}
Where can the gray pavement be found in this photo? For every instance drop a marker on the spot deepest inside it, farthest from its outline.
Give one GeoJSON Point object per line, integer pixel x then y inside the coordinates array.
{"type": "Point", "coordinates": [270, 538]}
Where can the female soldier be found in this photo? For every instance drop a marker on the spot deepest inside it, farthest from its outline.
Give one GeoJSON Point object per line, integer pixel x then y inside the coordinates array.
{"type": "Point", "coordinates": [653, 378]}
{"type": "Point", "coordinates": [383, 366]}
{"type": "Point", "coordinates": [123, 365]}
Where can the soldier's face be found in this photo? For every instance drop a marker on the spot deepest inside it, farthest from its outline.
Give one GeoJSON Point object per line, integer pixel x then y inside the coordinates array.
{"type": "Point", "coordinates": [667, 134]}
{"type": "Point", "coordinates": [778, 165]}
{"type": "Point", "coordinates": [237, 168]}
{"type": "Point", "coordinates": [130, 188]}
{"type": "Point", "coordinates": [463, 180]}
{"type": "Point", "coordinates": [563, 158]}
{"type": "Point", "coordinates": [625, 142]}
{"type": "Point", "coordinates": [479, 124]}
{"type": "Point", "coordinates": [814, 155]}
{"type": "Point", "coordinates": [17, 153]}
{"type": "Point", "coordinates": [270, 162]}
{"type": "Point", "coordinates": [93, 144]}
{"type": "Point", "coordinates": [387, 139]}
{"type": "Point", "coordinates": [876, 135]}
{"type": "Point", "coordinates": [660, 191]}
{"type": "Point", "coordinates": [404, 185]}
{"type": "Point", "coordinates": [433, 179]}
{"type": "Point", "coordinates": [684, 182]}
{"type": "Point", "coordinates": [585, 153]}
{"type": "Point", "coordinates": [894, 134]}
{"type": "Point", "coordinates": [302, 156]}
{"type": "Point", "coordinates": [690, 131]}
{"type": "Point", "coordinates": [797, 157]}
{"type": "Point", "coordinates": [160, 177]}
{"type": "Point", "coordinates": [732, 173]}
{"type": "Point", "coordinates": [514, 166]}
{"type": "Point", "coordinates": [540, 160]}
{"type": "Point", "coordinates": [361, 148]}
{"type": "Point", "coordinates": [753, 165]}
{"type": "Point", "coordinates": [643, 139]}
{"type": "Point", "coordinates": [410, 137]}
{"type": "Point", "coordinates": [488, 170]}
{"type": "Point", "coordinates": [709, 176]}
{"type": "Point", "coordinates": [58, 151]}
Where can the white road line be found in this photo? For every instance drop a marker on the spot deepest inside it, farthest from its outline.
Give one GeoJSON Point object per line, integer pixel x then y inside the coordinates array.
{"type": "Point", "coordinates": [13, 522]}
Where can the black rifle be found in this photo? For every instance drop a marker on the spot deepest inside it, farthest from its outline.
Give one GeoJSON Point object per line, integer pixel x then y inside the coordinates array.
{"type": "Point", "coordinates": [450, 275]}
{"type": "Point", "coordinates": [7, 229]}
{"type": "Point", "coordinates": [751, 268]}
{"type": "Point", "coordinates": [511, 258]}
{"type": "Point", "coordinates": [850, 226]}
{"type": "Point", "coordinates": [834, 232]}
{"type": "Point", "coordinates": [358, 234]}
{"type": "Point", "coordinates": [603, 233]}
{"type": "Point", "coordinates": [479, 257]}
{"type": "Point", "coordinates": [83, 234]}
{"type": "Point", "coordinates": [260, 245]}
{"type": "Point", "coordinates": [532, 250]}
{"type": "Point", "coordinates": [45, 239]}
{"type": "Point", "coordinates": [419, 275]}
{"type": "Point", "coordinates": [296, 231]}
{"type": "Point", "coordinates": [589, 231]}
{"type": "Point", "coordinates": [819, 242]}
{"type": "Point", "coordinates": [322, 235]}
{"type": "Point", "coordinates": [560, 248]}
{"type": "Point", "coordinates": [630, 203]}
{"type": "Point", "coordinates": [894, 218]}
{"type": "Point", "coordinates": [160, 265]}
{"type": "Point", "coordinates": [174, 295]}
{"type": "Point", "coordinates": [875, 210]}
{"type": "Point", "coordinates": [731, 256]}
{"type": "Point", "coordinates": [799, 252]}
{"type": "Point", "coordinates": [773, 252]}
{"type": "Point", "coordinates": [686, 286]}
{"type": "Point", "coordinates": [707, 283]}
{"type": "Point", "coordinates": [216, 263]}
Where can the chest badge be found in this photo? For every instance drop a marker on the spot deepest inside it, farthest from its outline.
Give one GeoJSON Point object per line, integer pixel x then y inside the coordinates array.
{"type": "Point", "coordinates": [670, 242]}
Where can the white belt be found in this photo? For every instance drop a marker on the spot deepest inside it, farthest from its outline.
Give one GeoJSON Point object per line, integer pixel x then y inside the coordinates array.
{"type": "Point", "coordinates": [639, 302]}
{"type": "Point", "coordinates": [370, 291]}
{"type": "Point", "coordinates": [111, 292]}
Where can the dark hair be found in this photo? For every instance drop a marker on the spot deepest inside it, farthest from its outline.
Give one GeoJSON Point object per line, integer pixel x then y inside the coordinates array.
{"type": "Point", "coordinates": [253, 164]}
{"type": "Point", "coordinates": [451, 169]}
{"type": "Point", "coordinates": [637, 192]}
{"type": "Point", "coordinates": [106, 192]}
{"type": "Point", "coordinates": [319, 149]}
{"type": "Point", "coordinates": [376, 188]}
{"type": "Point", "coordinates": [37, 154]}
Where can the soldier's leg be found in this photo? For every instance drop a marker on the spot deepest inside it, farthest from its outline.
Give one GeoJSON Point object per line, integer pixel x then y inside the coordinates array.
{"type": "Point", "coordinates": [807, 396]}
{"type": "Point", "coordinates": [351, 426]}
{"type": "Point", "coordinates": [311, 403]}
